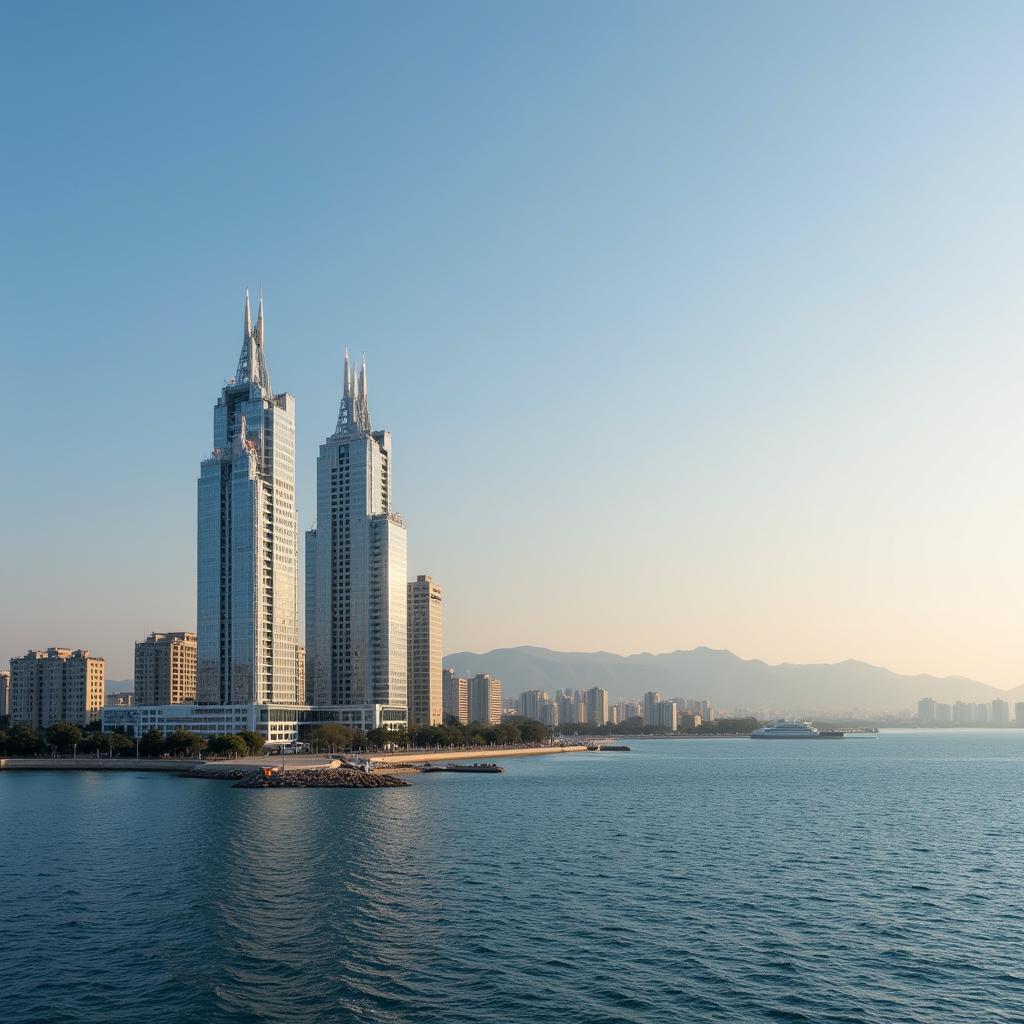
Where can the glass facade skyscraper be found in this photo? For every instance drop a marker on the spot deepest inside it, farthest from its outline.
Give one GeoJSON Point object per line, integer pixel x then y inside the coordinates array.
{"type": "Point", "coordinates": [356, 565]}
{"type": "Point", "coordinates": [248, 540]}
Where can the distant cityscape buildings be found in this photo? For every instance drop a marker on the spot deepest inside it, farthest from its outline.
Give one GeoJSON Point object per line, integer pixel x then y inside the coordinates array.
{"type": "Point", "coordinates": [569, 708]}
{"type": "Point", "coordinates": [962, 713]}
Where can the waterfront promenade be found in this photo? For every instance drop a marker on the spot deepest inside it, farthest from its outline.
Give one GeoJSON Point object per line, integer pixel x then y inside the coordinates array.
{"type": "Point", "coordinates": [287, 762]}
{"type": "Point", "coordinates": [469, 754]}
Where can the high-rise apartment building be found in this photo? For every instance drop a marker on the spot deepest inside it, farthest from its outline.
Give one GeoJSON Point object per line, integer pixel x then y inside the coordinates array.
{"type": "Point", "coordinates": [1000, 712]}
{"type": "Point", "coordinates": [651, 701]}
{"type": "Point", "coordinates": [5, 693]}
{"type": "Point", "coordinates": [455, 697]}
{"type": "Point", "coordinates": [56, 685]}
{"type": "Point", "coordinates": [356, 600]}
{"type": "Point", "coordinates": [425, 652]}
{"type": "Point", "coordinates": [165, 669]}
{"type": "Point", "coordinates": [665, 715]}
{"type": "Point", "coordinates": [630, 709]}
{"type": "Point", "coordinates": [485, 699]}
{"type": "Point", "coordinates": [532, 703]}
{"type": "Point", "coordinates": [248, 539]}
{"type": "Point", "coordinates": [1018, 713]}
{"type": "Point", "coordinates": [597, 706]}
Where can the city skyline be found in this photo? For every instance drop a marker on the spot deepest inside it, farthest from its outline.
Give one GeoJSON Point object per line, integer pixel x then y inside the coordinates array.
{"type": "Point", "coordinates": [772, 291]}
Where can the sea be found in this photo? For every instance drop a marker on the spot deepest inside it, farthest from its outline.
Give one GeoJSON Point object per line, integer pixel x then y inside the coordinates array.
{"type": "Point", "coordinates": [876, 879]}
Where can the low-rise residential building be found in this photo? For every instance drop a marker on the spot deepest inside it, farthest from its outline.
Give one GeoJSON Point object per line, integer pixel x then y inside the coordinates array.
{"type": "Point", "coordinates": [165, 668]}
{"type": "Point", "coordinates": [56, 685]}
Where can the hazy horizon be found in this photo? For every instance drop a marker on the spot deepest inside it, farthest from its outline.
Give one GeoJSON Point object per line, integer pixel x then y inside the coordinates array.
{"type": "Point", "coordinates": [694, 325]}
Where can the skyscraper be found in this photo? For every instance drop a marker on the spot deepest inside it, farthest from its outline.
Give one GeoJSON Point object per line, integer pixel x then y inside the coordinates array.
{"type": "Point", "coordinates": [425, 652]}
{"type": "Point", "coordinates": [248, 539]}
{"type": "Point", "coordinates": [356, 566]}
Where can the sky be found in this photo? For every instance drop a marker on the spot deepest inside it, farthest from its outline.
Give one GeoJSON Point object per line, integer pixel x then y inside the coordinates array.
{"type": "Point", "coordinates": [693, 323]}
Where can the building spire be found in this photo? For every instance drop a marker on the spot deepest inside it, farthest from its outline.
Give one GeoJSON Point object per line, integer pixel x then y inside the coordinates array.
{"type": "Point", "coordinates": [353, 415]}
{"type": "Point", "coordinates": [259, 322]}
{"type": "Point", "coordinates": [252, 365]}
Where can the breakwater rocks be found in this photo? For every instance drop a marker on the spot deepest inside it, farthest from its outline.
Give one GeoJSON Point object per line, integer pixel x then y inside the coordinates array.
{"type": "Point", "coordinates": [218, 773]}
{"type": "Point", "coordinates": [318, 778]}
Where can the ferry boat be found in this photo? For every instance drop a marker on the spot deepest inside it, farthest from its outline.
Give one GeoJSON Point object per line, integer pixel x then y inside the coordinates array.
{"type": "Point", "coordinates": [478, 769]}
{"type": "Point", "coordinates": [792, 731]}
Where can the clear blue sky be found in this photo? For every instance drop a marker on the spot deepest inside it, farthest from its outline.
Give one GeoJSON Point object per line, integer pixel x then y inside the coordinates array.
{"type": "Point", "coordinates": [693, 323]}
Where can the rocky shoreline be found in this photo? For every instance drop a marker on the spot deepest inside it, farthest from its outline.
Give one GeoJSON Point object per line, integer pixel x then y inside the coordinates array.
{"type": "Point", "coordinates": [318, 778]}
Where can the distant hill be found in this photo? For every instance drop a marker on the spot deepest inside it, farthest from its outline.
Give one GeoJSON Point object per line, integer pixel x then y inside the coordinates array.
{"type": "Point", "coordinates": [724, 679]}
{"type": "Point", "coordinates": [120, 686]}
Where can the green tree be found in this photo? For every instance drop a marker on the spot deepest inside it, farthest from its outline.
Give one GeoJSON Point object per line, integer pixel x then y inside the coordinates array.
{"type": "Point", "coordinates": [534, 732]}
{"type": "Point", "coordinates": [184, 743]}
{"type": "Point", "coordinates": [231, 745]}
{"type": "Point", "coordinates": [113, 744]}
{"type": "Point", "coordinates": [151, 744]}
{"type": "Point", "coordinates": [254, 741]}
{"type": "Point", "coordinates": [24, 741]}
{"type": "Point", "coordinates": [331, 737]}
{"type": "Point", "coordinates": [64, 736]}
{"type": "Point", "coordinates": [384, 739]}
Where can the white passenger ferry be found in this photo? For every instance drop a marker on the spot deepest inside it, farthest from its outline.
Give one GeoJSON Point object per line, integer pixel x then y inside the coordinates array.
{"type": "Point", "coordinates": [786, 731]}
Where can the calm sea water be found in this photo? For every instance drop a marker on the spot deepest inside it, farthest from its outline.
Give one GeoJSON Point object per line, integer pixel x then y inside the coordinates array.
{"type": "Point", "coordinates": [714, 880]}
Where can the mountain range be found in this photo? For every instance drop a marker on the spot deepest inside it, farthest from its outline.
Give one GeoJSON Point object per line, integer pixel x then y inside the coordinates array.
{"type": "Point", "coordinates": [727, 681]}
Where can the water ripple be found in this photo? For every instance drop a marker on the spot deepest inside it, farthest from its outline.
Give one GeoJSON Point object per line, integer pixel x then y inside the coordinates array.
{"type": "Point", "coordinates": [857, 883]}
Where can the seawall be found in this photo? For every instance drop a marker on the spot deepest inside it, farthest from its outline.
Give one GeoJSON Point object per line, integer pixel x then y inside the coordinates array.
{"type": "Point", "coordinates": [94, 764]}
{"type": "Point", "coordinates": [469, 754]}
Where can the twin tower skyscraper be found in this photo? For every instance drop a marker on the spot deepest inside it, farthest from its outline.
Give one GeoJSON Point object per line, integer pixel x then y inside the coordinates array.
{"type": "Point", "coordinates": [248, 555]}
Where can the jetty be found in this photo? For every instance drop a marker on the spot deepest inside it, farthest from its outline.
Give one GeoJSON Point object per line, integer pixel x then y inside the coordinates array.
{"type": "Point", "coordinates": [414, 758]}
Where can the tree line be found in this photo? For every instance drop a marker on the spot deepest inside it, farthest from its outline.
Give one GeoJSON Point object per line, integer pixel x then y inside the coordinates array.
{"type": "Point", "coordinates": [66, 738]}
{"type": "Point", "coordinates": [332, 737]}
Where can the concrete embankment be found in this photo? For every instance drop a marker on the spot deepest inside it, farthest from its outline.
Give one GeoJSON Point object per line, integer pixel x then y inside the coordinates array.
{"type": "Point", "coordinates": [94, 764]}
{"type": "Point", "coordinates": [468, 754]}
{"type": "Point", "coordinates": [194, 769]}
